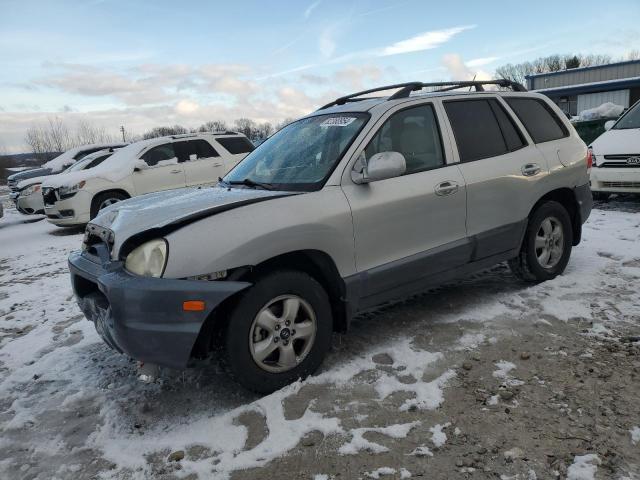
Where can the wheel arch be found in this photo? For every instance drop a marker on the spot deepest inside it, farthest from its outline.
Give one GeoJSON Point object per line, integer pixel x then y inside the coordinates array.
{"type": "Point", "coordinates": [567, 198]}
{"type": "Point", "coordinates": [109, 190]}
{"type": "Point", "coordinates": [316, 263]}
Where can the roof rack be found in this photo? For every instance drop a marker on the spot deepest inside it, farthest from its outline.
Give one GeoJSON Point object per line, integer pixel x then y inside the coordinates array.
{"type": "Point", "coordinates": [407, 88]}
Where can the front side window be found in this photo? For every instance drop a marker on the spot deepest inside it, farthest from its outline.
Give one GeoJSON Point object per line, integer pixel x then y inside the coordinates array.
{"type": "Point", "coordinates": [414, 133]}
{"type": "Point", "coordinates": [303, 154]}
{"type": "Point", "coordinates": [476, 129]}
{"type": "Point", "coordinates": [631, 119]}
{"type": "Point", "coordinates": [159, 154]}
{"type": "Point", "coordinates": [537, 117]}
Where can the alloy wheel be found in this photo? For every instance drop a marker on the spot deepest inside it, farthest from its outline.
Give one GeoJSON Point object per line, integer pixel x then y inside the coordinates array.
{"type": "Point", "coordinates": [549, 243]}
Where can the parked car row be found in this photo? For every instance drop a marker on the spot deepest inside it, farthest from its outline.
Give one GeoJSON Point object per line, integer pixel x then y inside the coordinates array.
{"type": "Point", "coordinates": [74, 187]}
{"type": "Point", "coordinates": [616, 156]}
{"type": "Point", "coordinates": [362, 201]}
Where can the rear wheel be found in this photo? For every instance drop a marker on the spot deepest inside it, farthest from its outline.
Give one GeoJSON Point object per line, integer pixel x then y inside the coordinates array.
{"type": "Point", "coordinates": [278, 331]}
{"type": "Point", "coordinates": [105, 199]}
{"type": "Point", "coordinates": [546, 246]}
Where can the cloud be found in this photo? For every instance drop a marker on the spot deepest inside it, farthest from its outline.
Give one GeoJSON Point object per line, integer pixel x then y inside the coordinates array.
{"type": "Point", "coordinates": [423, 41]}
{"type": "Point", "coordinates": [480, 62]}
{"type": "Point", "coordinates": [309, 10]}
{"type": "Point", "coordinates": [459, 70]}
{"type": "Point", "coordinates": [326, 42]}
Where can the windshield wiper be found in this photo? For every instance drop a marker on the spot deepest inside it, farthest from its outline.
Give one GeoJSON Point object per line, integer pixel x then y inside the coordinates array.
{"type": "Point", "coordinates": [247, 182]}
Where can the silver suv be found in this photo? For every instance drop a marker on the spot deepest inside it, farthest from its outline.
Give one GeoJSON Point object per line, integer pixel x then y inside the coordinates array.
{"type": "Point", "coordinates": [363, 201]}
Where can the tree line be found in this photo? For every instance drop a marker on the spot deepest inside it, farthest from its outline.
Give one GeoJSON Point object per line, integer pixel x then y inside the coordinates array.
{"type": "Point", "coordinates": [47, 140]}
{"type": "Point", "coordinates": [555, 63]}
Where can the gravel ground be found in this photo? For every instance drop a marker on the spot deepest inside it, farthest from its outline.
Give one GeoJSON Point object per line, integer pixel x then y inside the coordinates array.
{"type": "Point", "coordinates": [483, 378]}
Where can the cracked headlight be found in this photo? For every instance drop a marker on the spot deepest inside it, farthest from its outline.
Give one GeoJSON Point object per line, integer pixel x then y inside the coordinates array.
{"type": "Point", "coordinates": [70, 191]}
{"type": "Point", "coordinates": [149, 259]}
{"type": "Point", "coordinates": [36, 187]}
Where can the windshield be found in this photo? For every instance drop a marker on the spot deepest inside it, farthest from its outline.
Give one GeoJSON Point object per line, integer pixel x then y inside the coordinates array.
{"type": "Point", "coordinates": [300, 156]}
{"type": "Point", "coordinates": [631, 119]}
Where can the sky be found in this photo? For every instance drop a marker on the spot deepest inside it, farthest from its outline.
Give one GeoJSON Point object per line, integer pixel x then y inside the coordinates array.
{"type": "Point", "coordinates": [142, 64]}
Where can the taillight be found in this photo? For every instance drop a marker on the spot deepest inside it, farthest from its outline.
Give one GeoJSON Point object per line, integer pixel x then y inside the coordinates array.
{"type": "Point", "coordinates": [589, 160]}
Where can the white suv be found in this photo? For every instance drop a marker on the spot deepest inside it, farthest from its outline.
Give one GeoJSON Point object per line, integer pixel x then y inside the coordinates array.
{"type": "Point", "coordinates": [616, 157]}
{"type": "Point", "coordinates": [153, 165]}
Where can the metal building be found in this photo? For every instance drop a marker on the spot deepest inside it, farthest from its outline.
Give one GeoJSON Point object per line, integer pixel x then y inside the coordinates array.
{"type": "Point", "coordinates": [579, 89]}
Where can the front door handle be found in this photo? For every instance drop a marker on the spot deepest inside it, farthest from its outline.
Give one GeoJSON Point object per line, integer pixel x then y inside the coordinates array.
{"type": "Point", "coordinates": [176, 171]}
{"type": "Point", "coordinates": [530, 169]}
{"type": "Point", "coordinates": [217, 164]}
{"type": "Point", "coordinates": [446, 188]}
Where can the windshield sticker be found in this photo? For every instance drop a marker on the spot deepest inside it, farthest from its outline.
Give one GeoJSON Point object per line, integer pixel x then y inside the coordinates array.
{"type": "Point", "coordinates": [338, 121]}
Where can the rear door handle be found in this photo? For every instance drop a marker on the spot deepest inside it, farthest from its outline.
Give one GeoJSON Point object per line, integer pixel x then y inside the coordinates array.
{"type": "Point", "coordinates": [530, 169]}
{"type": "Point", "coordinates": [446, 188]}
{"type": "Point", "coordinates": [217, 164]}
{"type": "Point", "coordinates": [176, 171]}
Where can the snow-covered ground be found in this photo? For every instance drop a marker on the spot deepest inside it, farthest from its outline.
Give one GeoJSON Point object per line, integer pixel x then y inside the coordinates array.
{"type": "Point", "coordinates": [72, 408]}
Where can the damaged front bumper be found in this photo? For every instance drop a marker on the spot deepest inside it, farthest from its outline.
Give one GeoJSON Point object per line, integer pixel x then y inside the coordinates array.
{"type": "Point", "coordinates": [144, 317]}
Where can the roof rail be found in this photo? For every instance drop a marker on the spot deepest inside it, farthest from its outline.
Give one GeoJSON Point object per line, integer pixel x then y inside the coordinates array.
{"type": "Point", "coordinates": [224, 132]}
{"type": "Point", "coordinates": [183, 135]}
{"type": "Point", "coordinates": [407, 88]}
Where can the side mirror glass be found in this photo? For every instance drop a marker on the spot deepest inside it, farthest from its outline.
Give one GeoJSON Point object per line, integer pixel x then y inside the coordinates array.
{"type": "Point", "coordinates": [140, 165]}
{"type": "Point", "coordinates": [608, 124]}
{"type": "Point", "coordinates": [380, 166]}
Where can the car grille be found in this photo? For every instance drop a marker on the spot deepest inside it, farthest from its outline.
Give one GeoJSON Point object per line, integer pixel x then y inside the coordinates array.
{"type": "Point", "coordinates": [621, 184]}
{"type": "Point", "coordinates": [621, 161]}
{"type": "Point", "coordinates": [49, 195]}
{"type": "Point", "coordinates": [94, 235]}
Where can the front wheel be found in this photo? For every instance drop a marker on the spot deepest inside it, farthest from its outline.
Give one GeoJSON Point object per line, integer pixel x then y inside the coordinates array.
{"type": "Point", "coordinates": [104, 200]}
{"type": "Point", "coordinates": [546, 246]}
{"type": "Point", "coordinates": [278, 331]}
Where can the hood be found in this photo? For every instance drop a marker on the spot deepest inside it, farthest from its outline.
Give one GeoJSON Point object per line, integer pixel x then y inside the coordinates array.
{"type": "Point", "coordinates": [31, 181]}
{"type": "Point", "coordinates": [34, 172]}
{"type": "Point", "coordinates": [68, 179]}
{"type": "Point", "coordinates": [617, 142]}
{"type": "Point", "coordinates": [175, 208]}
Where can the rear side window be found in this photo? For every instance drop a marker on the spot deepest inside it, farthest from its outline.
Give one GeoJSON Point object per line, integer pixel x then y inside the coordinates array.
{"type": "Point", "coordinates": [414, 133]}
{"type": "Point", "coordinates": [476, 129]}
{"type": "Point", "coordinates": [510, 132]}
{"type": "Point", "coordinates": [158, 154]}
{"type": "Point", "coordinates": [97, 161]}
{"type": "Point", "coordinates": [203, 149]}
{"type": "Point", "coordinates": [236, 145]}
{"type": "Point", "coordinates": [540, 121]}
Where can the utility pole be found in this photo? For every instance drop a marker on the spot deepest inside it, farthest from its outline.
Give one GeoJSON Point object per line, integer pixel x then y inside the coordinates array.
{"type": "Point", "coordinates": [122, 130]}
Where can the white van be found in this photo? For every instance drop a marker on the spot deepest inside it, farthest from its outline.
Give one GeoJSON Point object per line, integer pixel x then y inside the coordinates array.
{"type": "Point", "coordinates": [616, 156]}
{"type": "Point", "coordinates": [152, 165]}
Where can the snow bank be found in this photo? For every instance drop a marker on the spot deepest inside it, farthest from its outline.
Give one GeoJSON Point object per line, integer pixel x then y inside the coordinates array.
{"type": "Point", "coordinates": [606, 110]}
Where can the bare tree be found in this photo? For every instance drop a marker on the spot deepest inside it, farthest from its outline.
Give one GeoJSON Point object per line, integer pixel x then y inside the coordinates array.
{"type": "Point", "coordinates": [246, 126]}
{"type": "Point", "coordinates": [164, 131]}
{"type": "Point", "coordinates": [284, 123]}
{"type": "Point", "coordinates": [213, 126]}
{"type": "Point", "coordinates": [86, 133]}
{"type": "Point", "coordinates": [264, 130]}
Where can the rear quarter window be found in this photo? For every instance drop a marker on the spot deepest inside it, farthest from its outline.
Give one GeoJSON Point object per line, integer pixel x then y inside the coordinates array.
{"type": "Point", "coordinates": [538, 118]}
{"type": "Point", "coordinates": [236, 145]}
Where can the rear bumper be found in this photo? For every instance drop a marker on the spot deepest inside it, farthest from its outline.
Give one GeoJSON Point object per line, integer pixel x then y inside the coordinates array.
{"type": "Point", "coordinates": [622, 180]}
{"type": "Point", "coordinates": [144, 317]}
{"type": "Point", "coordinates": [585, 201]}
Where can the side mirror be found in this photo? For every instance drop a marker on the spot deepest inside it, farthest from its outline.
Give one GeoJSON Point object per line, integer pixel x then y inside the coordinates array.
{"type": "Point", "coordinates": [381, 166]}
{"type": "Point", "coordinates": [140, 165]}
{"type": "Point", "coordinates": [608, 124]}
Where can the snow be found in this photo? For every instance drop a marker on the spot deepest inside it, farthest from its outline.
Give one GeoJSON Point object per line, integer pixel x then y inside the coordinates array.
{"type": "Point", "coordinates": [66, 159]}
{"type": "Point", "coordinates": [358, 442]}
{"type": "Point", "coordinates": [382, 471]}
{"type": "Point", "coordinates": [584, 467]}
{"type": "Point", "coordinates": [58, 363]}
{"type": "Point", "coordinates": [606, 110]}
{"type": "Point", "coordinates": [438, 437]}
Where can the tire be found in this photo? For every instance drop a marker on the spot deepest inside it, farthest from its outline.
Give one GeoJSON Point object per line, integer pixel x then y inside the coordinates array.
{"type": "Point", "coordinates": [244, 340]}
{"type": "Point", "coordinates": [600, 196]}
{"type": "Point", "coordinates": [530, 263]}
{"type": "Point", "coordinates": [99, 200]}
